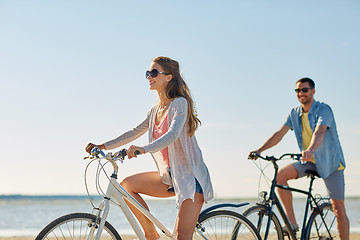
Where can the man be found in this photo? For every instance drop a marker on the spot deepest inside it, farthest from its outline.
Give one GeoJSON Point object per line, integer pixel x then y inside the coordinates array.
{"type": "Point", "coordinates": [314, 126]}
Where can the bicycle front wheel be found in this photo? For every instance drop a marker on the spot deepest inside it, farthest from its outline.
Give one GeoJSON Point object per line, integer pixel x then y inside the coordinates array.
{"type": "Point", "coordinates": [319, 229]}
{"type": "Point", "coordinates": [224, 224]}
{"type": "Point", "coordinates": [76, 226]}
{"type": "Point", "coordinates": [259, 216]}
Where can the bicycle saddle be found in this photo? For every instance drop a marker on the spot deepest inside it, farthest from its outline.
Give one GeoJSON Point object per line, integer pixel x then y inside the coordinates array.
{"type": "Point", "coordinates": [311, 173]}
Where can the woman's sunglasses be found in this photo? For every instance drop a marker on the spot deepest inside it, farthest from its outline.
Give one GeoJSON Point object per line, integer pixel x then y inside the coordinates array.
{"type": "Point", "coordinates": [305, 90]}
{"type": "Point", "coordinates": [153, 73]}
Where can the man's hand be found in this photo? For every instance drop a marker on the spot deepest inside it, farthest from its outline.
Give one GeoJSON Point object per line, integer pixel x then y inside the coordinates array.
{"type": "Point", "coordinates": [316, 140]}
{"type": "Point", "coordinates": [307, 155]}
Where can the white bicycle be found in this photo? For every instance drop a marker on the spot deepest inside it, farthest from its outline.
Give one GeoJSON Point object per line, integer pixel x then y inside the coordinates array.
{"type": "Point", "coordinates": [214, 222]}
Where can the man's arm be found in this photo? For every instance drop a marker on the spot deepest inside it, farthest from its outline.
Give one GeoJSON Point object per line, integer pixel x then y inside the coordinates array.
{"type": "Point", "coordinates": [273, 140]}
{"type": "Point", "coordinates": [316, 140]}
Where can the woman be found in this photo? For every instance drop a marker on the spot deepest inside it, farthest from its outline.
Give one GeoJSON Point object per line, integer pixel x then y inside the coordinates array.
{"type": "Point", "coordinates": [171, 125]}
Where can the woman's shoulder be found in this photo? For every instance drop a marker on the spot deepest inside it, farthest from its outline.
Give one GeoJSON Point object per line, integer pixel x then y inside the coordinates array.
{"type": "Point", "coordinates": [180, 100]}
{"type": "Point", "coordinates": [179, 103]}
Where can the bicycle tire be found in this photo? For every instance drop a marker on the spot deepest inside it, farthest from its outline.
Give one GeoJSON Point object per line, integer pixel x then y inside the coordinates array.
{"type": "Point", "coordinates": [316, 228]}
{"type": "Point", "coordinates": [224, 224]}
{"type": "Point", "coordinates": [259, 216]}
{"type": "Point", "coordinates": [76, 226]}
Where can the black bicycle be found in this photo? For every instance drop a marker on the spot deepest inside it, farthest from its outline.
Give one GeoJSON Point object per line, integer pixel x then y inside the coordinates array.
{"type": "Point", "coordinates": [320, 225]}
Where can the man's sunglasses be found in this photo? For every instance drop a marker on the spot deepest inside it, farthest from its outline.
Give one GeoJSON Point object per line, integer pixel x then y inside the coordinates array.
{"type": "Point", "coordinates": [153, 73]}
{"type": "Point", "coordinates": [304, 90]}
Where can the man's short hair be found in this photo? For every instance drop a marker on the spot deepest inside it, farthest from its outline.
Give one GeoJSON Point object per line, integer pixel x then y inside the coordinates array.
{"type": "Point", "coordinates": [308, 80]}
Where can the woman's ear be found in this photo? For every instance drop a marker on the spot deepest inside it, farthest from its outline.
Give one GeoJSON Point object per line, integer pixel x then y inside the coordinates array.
{"type": "Point", "coordinates": [169, 77]}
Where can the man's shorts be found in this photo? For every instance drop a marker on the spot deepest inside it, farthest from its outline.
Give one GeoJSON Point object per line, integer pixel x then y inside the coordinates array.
{"type": "Point", "coordinates": [334, 183]}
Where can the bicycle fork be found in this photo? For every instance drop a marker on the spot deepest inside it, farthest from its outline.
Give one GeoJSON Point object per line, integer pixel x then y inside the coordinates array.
{"type": "Point", "coordinates": [104, 209]}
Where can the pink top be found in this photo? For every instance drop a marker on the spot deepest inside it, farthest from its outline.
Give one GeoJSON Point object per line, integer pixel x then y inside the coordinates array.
{"type": "Point", "coordinates": [160, 130]}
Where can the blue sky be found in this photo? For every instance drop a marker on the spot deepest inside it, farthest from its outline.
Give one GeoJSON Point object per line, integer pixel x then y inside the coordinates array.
{"type": "Point", "coordinates": [73, 72]}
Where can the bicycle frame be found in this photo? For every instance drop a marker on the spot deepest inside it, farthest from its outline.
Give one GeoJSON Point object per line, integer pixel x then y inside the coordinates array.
{"type": "Point", "coordinates": [275, 201]}
{"type": "Point", "coordinates": [273, 198]}
{"type": "Point", "coordinates": [119, 194]}
{"type": "Point", "coordinates": [211, 221]}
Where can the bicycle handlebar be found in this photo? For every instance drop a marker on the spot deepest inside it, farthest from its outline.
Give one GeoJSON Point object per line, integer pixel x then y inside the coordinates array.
{"type": "Point", "coordinates": [120, 155]}
{"type": "Point", "coordinates": [295, 156]}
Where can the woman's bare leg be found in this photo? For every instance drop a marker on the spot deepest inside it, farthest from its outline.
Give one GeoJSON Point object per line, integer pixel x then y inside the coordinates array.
{"type": "Point", "coordinates": [148, 183]}
{"type": "Point", "coordinates": [188, 216]}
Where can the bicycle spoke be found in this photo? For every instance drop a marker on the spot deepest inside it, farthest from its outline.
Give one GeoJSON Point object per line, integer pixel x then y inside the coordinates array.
{"type": "Point", "coordinates": [323, 224]}
{"type": "Point", "coordinates": [76, 226]}
{"type": "Point", "coordinates": [259, 217]}
{"type": "Point", "coordinates": [225, 225]}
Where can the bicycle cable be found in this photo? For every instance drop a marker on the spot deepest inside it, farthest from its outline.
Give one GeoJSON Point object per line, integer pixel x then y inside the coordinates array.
{"type": "Point", "coordinates": [97, 178]}
{"type": "Point", "coordinates": [262, 173]}
{"type": "Point", "coordinates": [99, 190]}
{"type": "Point", "coordinates": [86, 184]}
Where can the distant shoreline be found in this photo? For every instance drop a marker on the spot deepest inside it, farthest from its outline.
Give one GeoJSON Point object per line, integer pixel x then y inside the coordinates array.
{"type": "Point", "coordinates": [81, 196]}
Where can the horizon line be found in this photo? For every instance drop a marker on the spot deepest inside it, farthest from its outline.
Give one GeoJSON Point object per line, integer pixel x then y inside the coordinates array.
{"type": "Point", "coordinates": [150, 198]}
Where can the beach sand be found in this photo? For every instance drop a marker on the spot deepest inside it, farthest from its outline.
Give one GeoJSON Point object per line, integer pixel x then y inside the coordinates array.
{"type": "Point", "coordinates": [353, 236]}
{"type": "Point", "coordinates": [32, 238]}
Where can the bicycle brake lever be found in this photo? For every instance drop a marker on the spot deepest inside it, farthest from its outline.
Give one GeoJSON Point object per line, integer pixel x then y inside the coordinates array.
{"type": "Point", "coordinates": [297, 157]}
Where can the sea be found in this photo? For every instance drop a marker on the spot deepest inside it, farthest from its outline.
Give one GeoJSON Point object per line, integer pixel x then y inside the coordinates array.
{"type": "Point", "coordinates": [27, 215]}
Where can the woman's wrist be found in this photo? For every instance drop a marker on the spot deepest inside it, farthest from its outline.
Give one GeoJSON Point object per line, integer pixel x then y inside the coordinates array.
{"type": "Point", "coordinates": [142, 150]}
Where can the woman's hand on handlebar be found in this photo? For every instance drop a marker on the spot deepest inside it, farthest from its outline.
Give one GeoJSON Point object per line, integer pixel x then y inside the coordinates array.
{"type": "Point", "coordinates": [91, 146]}
{"type": "Point", "coordinates": [253, 154]}
{"type": "Point", "coordinates": [133, 151]}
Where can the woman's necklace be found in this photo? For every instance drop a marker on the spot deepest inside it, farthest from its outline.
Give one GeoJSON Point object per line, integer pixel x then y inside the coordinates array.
{"type": "Point", "coordinates": [163, 107]}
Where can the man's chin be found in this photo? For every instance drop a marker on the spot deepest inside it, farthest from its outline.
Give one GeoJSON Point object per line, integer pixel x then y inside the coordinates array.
{"type": "Point", "coordinates": [305, 101]}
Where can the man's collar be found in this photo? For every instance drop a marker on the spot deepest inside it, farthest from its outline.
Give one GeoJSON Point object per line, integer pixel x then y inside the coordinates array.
{"type": "Point", "coordinates": [313, 105]}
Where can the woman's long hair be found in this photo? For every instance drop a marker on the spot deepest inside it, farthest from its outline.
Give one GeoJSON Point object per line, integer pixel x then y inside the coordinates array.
{"type": "Point", "coordinates": [178, 88]}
